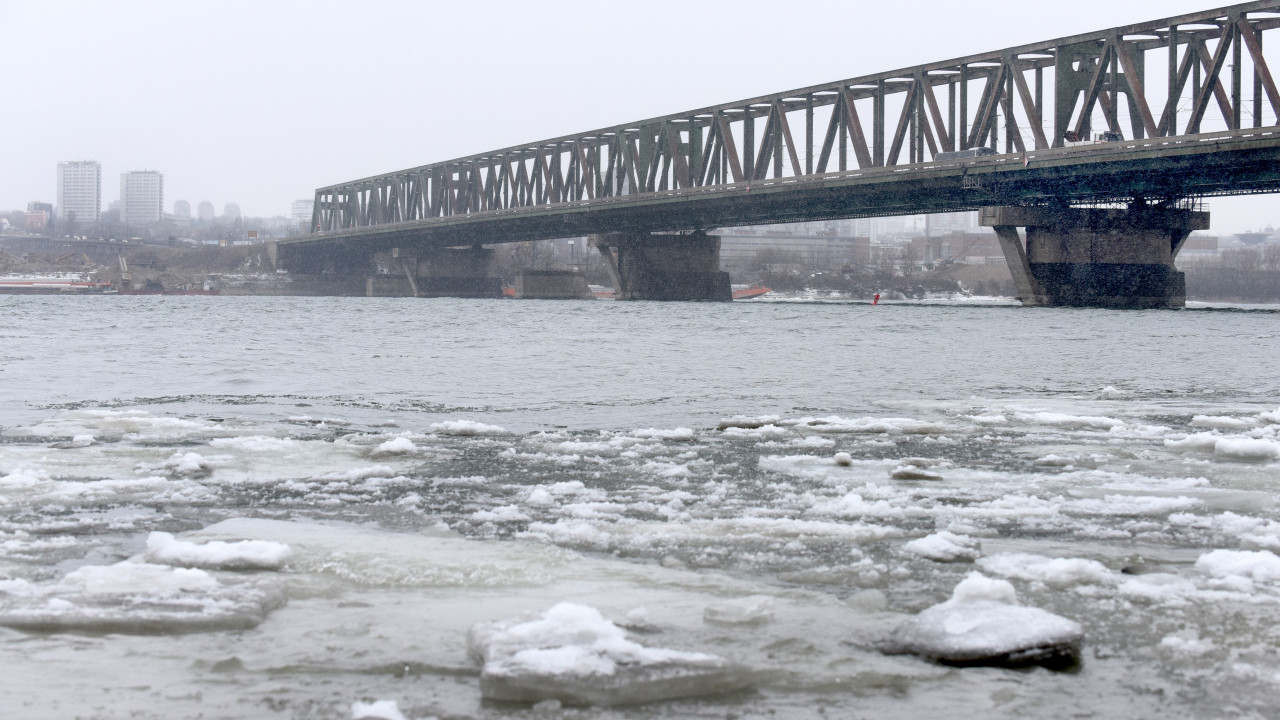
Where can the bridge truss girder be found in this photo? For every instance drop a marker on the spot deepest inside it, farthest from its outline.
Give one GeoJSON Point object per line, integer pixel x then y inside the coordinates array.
{"type": "Point", "coordinates": [887, 120]}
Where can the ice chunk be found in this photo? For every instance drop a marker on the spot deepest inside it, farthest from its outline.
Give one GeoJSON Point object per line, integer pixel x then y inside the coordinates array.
{"type": "Point", "coordinates": [752, 610]}
{"type": "Point", "coordinates": [501, 514]}
{"type": "Point", "coordinates": [747, 422]}
{"type": "Point", "coordinates": [131, 597]}
{"type": "Point", "coordinates": [681, 434]}
{"type": "Point", "coordinates": [378, 710]}
{"type": "Point", "coordinates": [1247, 448]}
{"type": "Point", "coordinates": [1196, 442]}
{"type": "Point", "coordinates": [762, 433]}
{"type": "Point", "coordinates": [466, 428]}
{"type": "Point", "coordinates": [1220, 421]}
{"type": "Point", "coordinates": [1261, 565]}
{"type": "Point", "coordinates": [1054, 572]}
{"type": "Point", "coordinates": [872, 426]}
{"type": "Point", "coordinates": [977, 586]}
{"type": "Point", "coordinates": [982, 625]}
{"type": "Point", "coordinates": [163, 548]}
{"type": "Point", "coordinates": [188, 465]}
{"type": "Point", "coordinates": [1186, 643]}
{"type": "Point", "coordinates": [396, 446]}
{"type": "Point", "coordinates": [572, 654]}
{"type": "Point", "coordinates": [1071, 422]}
{"type": "Point", "coordinates": [913, 472]}
{"type": "Point", "coordinates": [945, 546]}
{"type": "Point", "coordinates": [1240, 448]}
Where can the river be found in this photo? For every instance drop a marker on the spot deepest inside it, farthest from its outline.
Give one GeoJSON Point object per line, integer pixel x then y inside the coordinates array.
{"type": "Point", "coordinates": [746, 480]}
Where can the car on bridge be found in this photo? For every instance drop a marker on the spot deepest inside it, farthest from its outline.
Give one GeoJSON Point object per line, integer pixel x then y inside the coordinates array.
{"type": "Point", "coordinates": [972, 152]}
{"type": "Point", "coordinates": [1072, 139]}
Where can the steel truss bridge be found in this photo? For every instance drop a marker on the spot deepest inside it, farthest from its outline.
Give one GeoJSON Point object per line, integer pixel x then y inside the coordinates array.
{"type": "Point", "coordinates": [1192, 98]}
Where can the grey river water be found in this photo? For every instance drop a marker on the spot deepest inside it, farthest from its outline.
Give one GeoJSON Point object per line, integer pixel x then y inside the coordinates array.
{"type": "Point", "coordinates": [723, 479]}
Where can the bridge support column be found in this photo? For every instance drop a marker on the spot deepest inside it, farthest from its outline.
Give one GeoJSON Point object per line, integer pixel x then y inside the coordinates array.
{"type": "Point", "coordinates": [647, 266]}
{"type": "Point", "coordinates": [1094, 257]}
{"type": "Point", "coordinates": [552, 285]}
{"type": "Point", "coordinates": [445, 272]}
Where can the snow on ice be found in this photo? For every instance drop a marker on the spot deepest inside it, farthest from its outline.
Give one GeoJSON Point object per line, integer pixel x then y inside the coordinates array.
{"type": "Point", "coordinates": [163, 548]}
{"type": "Point", "coordinates": [982, 624]}
{"type": "Point", "coordinates": [945, 546]}
{"type": "Point", "coordinates": [396, 446]}
{"type": "Point", "coordinates": [572, 654]}
{"type": "Point", "coordinates": [132, 597]}
{"type": "Point", "coordinates": [466, 428]}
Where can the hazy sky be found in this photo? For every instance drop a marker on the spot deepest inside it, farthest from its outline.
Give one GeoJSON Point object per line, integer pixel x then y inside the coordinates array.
{"type": "Point", "coordinates": [261, 102]}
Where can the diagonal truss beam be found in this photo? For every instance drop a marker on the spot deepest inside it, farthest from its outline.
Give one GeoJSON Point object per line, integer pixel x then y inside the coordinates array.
{"type": "Point", "coordinates": [832, 127]}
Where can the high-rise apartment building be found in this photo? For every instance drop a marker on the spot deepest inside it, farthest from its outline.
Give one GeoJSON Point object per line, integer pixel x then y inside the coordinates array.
{"type": "Point", "coordinates": [231, 211]}
{"type": "Point", "coordinates": [204, 211]}
{"type": "Point", "coordinates": [80, 191]}
{"type": "Point", "coordinates": [141, 197]}
{"type": "Point", "coordinates": [182, 209]}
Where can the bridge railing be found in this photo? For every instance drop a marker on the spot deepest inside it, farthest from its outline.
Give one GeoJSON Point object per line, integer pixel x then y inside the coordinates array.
{"type": "Point", "coordinates": [1167, 78]}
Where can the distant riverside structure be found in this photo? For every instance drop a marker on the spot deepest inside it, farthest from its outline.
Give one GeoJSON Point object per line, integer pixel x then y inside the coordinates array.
{"type": "Point", "coordinates": [301, 214]}
{"type": "Point", "coordinates": [141, 197]}
{"type": "Point", "coordinates": [204, 211]}
{"type": "Point", "coordinates": [80, 191]}
{"type": "Point", "coordinates": [38, 216]}
{"type": "Point", "coordinates": [231, 211]}
{"type": "Point", "coordinates": [182, 209]}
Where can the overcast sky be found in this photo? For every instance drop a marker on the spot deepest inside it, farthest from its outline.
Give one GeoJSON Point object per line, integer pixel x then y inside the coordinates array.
{"type": "Point", "coordinates": [260, 102]}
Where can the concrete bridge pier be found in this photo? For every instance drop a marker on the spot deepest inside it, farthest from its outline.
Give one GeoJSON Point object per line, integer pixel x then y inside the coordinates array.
{"type": "Point", "coordinates": [552, 285]}
{"type": "Point", "coordinates": [444, 272]}
{"type": "Point", "coordinates": [1095, 257]}
{"type": "Point", "coordinates": [337, 260]}
{"type": "Point", "coordinates": [651, 266]}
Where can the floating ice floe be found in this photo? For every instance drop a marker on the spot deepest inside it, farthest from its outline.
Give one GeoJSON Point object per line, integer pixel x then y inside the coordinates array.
{"type": "Point", "coordinates": [377, 710]}
{"type": "Point", "coordinates": [165, 549]}
{"type": "Point", "coordinates": [188, 464]}
{"type": "Point", "coordinates": [80, 440]}
{"type": "Point", "coordinates": [982, 624]}
{"type": "Point", "coordinates": [1053, 572]}
{"type": "Point", "coordinates": [1234, 447]}
{"type": "Point", "coordinates": [1224, 422]}
{"type": "Point", "coordinates": [1070, 422]}
{"type": "Point", "coordinates": [763, 432]}
{"type": "Point", "coordinates": [747, 422]}
{"type": "Point", "coordinates": [131, 597]}
{"type": "Point", "coordinates": [571, 654]}
{"type": "Point", "coordinates": [752, 610]}
{"type": "Point", "coordinates": [674, 434]}
{"type": "Point", "coordinates": [873, 426]}
{"type": "Point", "coordinates": [945, 546]}
{"type": "Point", "coordinates": [1241, 566]}
{"type": "Point", "coordinates": [396, 446]}
{"type": "Point", "coordinates": [913, 472]}
{"type": "Point", "coordinates": [467, 428]}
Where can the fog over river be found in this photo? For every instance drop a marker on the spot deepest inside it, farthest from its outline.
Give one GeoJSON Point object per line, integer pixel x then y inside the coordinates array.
{"type": "Point", "coordinates": [227, 507]}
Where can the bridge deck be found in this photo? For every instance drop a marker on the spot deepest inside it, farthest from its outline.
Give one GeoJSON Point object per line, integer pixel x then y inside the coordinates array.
{"type": "Point", "coordinates": [1234, 162]}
